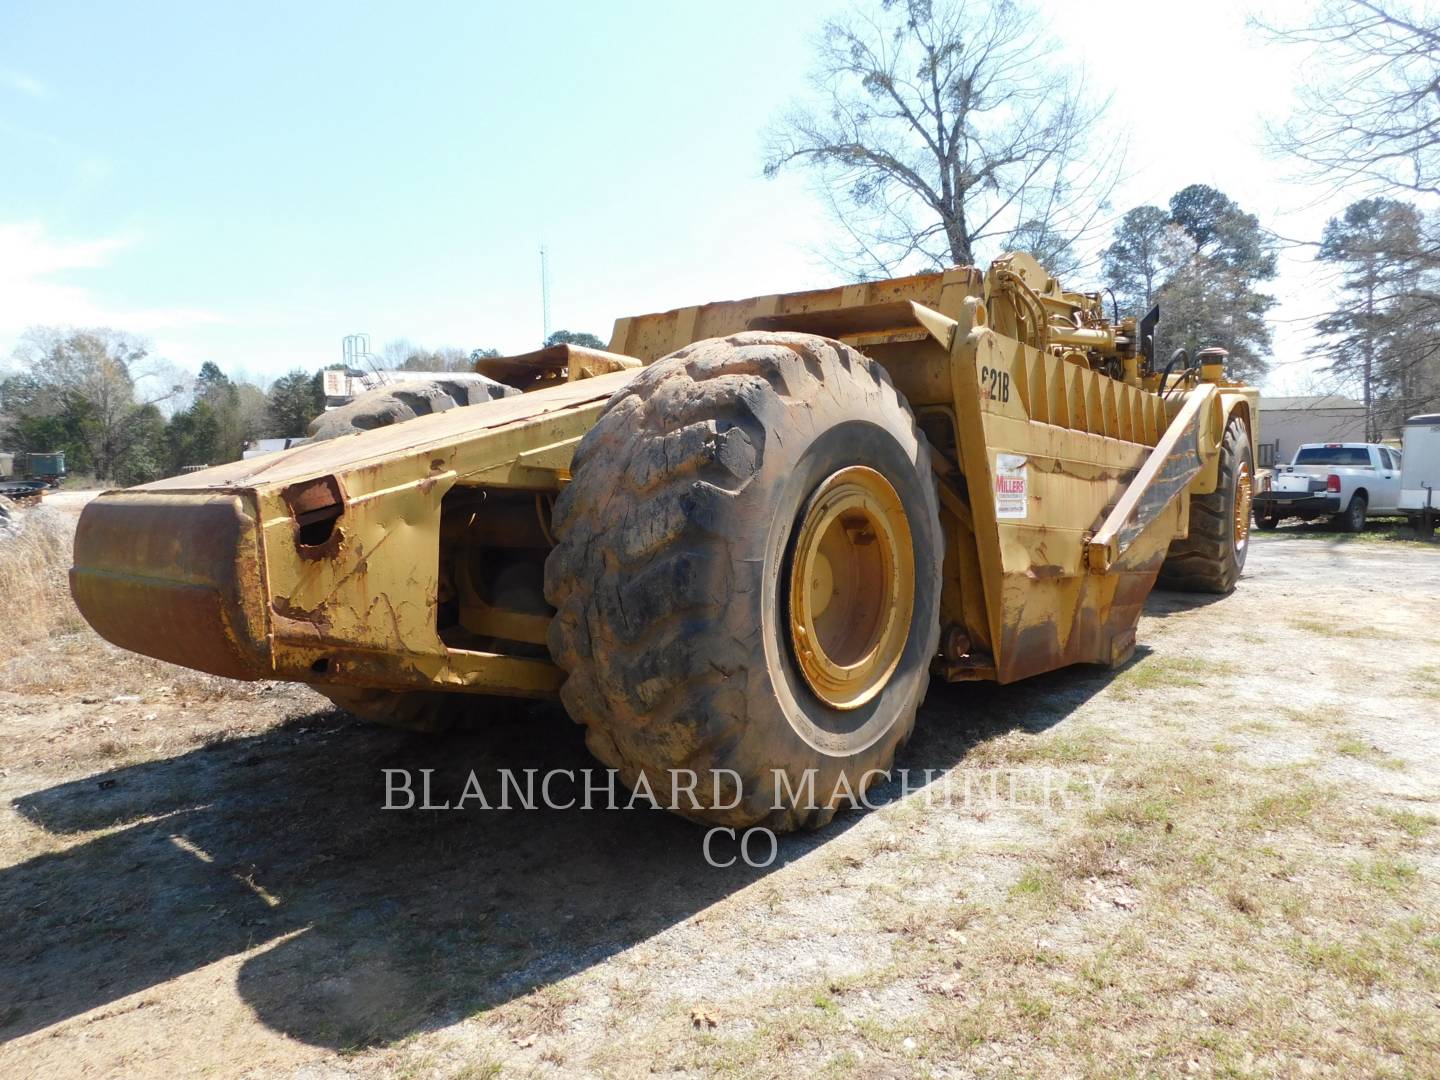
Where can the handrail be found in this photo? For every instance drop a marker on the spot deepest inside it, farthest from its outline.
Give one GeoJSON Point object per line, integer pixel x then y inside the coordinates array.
{"type": "Point", "coordinates": [1175, 461]}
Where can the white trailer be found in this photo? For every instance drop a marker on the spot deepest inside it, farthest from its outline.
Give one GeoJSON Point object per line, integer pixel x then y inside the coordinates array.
{"type": "Point", "coordinates": [1420, 472]}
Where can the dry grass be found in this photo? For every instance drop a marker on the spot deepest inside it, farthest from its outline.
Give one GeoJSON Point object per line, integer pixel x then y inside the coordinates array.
{"type": "Point", "coordinates": [1253, 893]}
{"type": "Point", "coordinates": [1201, 919]}
{"type": "Point", "coordinates": [35, 552]}
{"type": "Point", "coordinates": [1426, 681]}
{"type": "Point", "coordinates": [79, 699]}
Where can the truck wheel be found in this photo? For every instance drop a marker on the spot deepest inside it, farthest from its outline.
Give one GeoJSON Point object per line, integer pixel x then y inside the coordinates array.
{"type": "Point", "coordinates": [1269, 523]}
{"type": "Point", "coordinates": [1353, 519]}
{"type": "Point", "coordinates": [413, 710]}
{"type": "Point", "coordinates": [747, 579]}
{"type": "Point", "coordinates": [401, 401]}
{"type": "Point", "coordinates": [1211, 558]}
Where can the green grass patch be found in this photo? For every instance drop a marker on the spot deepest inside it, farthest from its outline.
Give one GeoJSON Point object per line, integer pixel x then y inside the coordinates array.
{"type": "Point", "coordinates": [479, 1070]}
{"type": "Point", "coordinates": [1363, 750]}
{"type": "Point", "coordinates": [1301, 805]}
{"type": "Point", "coordinates": [1361, 962]}
{"type": "Point", "coordinates": [1158, 672]}
{"type": "Point", "coordinates": [1410, 823]}
{"type": "Point", "coordinates": [1388, 532]}
{"type": "Point", "coordinates": [1384, 873]}
{"type": "Point", "coordinates": [1037, 883]}
{"type": "Point", "coordinates": [1334, 629]}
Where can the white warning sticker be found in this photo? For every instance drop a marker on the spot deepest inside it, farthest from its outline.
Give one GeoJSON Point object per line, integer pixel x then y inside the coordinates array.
{"type": "Point", "coordinates": [1011, 488]}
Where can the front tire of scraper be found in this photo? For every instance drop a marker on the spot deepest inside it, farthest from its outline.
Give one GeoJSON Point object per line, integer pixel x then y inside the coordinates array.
{"type": "Point", "coordinates": [1212, 557]}
{"type": "Point", "coordinates": [671, 577]}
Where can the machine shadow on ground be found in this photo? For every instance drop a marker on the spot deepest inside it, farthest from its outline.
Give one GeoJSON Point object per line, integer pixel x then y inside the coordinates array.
{"type": "Point", "coordinates": [379, 924]}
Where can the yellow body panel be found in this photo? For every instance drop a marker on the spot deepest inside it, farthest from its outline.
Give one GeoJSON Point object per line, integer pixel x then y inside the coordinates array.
{"type": "Point", "coordinates": [205, 570]}
{"type": "Point", "coordinates": [340, 562]}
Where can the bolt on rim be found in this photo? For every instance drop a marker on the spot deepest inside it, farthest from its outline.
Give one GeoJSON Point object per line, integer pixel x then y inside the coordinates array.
{"type": "Point", "coordinates": [1243, 497]}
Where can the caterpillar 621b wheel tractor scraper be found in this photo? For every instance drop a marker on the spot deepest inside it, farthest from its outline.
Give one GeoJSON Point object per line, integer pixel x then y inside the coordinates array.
{"type": "Point", "coordinates": [739, 542]}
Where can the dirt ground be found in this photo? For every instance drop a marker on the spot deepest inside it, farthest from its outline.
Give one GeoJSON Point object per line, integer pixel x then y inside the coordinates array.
{"type": "Point", "coordinates": [1220, 859]}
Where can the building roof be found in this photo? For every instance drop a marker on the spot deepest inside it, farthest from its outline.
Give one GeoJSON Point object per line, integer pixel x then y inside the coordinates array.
{"type": "Point", "coordinates": [1313, 402]}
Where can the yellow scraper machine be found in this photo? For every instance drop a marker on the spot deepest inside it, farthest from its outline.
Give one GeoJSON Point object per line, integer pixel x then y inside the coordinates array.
{"type": "Point", "coordinates": [740, 540]}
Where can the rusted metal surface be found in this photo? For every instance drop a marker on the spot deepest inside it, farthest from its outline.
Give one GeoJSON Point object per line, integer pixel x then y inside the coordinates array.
{"type": "Point", "coordinates": [340, 563]}
{"type": "Point", "coordinates": [553, 364]}
{"type": "Point", "coordinates": [1047, 447]}
{"type": "Point", "coordinates": [321, 564]}
{"type": "Point", "coordinates": [650, 337]}
{"type": "Point", "coordinates": [176, 577]}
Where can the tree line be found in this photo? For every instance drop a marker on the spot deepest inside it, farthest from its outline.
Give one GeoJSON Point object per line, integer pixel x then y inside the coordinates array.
{"type": "Point", "coordinates": [946, 132]}
{"type": "Point", "coordinates": [91, 393]}
{"type": "Point", "coordinates": [126, 417]}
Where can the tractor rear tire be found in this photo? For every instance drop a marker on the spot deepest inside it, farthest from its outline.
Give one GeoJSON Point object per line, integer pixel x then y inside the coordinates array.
{"type": "Point", "coordinates": [1212, 557]}
{"type": "Point", "coordinates": [398, 402]}
{"type": "Point", "coordinates": [676, 583]}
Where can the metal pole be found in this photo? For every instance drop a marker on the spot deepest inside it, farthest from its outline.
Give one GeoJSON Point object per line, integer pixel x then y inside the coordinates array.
{"type": "Point", "coordinates": [544, 296]}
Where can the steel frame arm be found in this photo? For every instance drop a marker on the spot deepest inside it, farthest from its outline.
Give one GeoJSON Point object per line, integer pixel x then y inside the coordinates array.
{"type": "Point", "coordinates": [1171, 466]}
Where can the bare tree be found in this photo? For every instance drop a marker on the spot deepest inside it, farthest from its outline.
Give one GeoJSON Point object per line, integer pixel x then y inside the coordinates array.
{"type": "Point", "coordinates": [402, 354]}
{"type": "Point", "coordinates": [1369, 116]}
{"type": "Point", "coordinates": [1370, 108]}
{"type": "Point", "coordinates": [394, 354]}
{"type": "Point", "coordinates": [942, 130]}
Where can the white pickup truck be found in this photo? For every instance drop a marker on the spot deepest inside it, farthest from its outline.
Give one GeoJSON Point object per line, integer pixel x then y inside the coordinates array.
{"type": "Point", "coordinates": [1346, 481]}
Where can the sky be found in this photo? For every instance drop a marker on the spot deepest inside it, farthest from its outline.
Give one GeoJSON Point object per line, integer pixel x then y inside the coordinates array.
{"type": "Point", "coordinates": [250, 183]}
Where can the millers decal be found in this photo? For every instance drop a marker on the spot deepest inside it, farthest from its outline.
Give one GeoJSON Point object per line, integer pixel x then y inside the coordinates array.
{"type": "Point", "coordinates": [1011, 487]}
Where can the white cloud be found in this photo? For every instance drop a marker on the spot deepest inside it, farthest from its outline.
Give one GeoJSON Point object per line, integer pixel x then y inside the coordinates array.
{"type": "Point", "coordinates": [18, 80]}
{"type": "Point", "coordinates": [34, 290]}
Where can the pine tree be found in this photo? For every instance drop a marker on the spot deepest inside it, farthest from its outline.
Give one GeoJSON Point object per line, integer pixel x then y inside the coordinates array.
{"type": "Point", "coordinates": [1382, 336]}
{"type": "Point", "coordinates": [1203, 262]}
{"type": "Point", "coordinates": [294, 400]}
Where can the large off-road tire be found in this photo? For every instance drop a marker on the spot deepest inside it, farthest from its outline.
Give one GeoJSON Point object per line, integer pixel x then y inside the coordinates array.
{"type": "Point", "coordinates": [413, 710]}
{"type": "Point", "coordinates": [1211, 558]}
{"type": "Point", "coordinates": [702, 483]}
{"type": "Point", "coordinates": [401, 401]}
{"type": "Point", "coordinates": [416, 710]}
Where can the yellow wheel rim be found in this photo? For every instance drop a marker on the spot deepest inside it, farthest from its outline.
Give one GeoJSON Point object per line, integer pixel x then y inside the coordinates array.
{"type": "Point", "coordinates": [1243, 497]}
{"type": "Point", "coordinates": [852, 587]}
